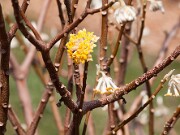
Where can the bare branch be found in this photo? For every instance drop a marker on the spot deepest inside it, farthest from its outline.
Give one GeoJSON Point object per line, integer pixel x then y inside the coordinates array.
{"type": "Point", "coordinates": [38, 44]}
{"type": "Point", "coordinates": [171, 122]}
{"type": "Point", "coordinates": [15, 122]}
{"type": "Point", "coordinates": [76, 22]}
{"type": "Point", "coordinates": [4, 74]}
{"type": "Point", "coordinates": [134, 84]}
{"type": "Point", "coordinates": [135, 114]}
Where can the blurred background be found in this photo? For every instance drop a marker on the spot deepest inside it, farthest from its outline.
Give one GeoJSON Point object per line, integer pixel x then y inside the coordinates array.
{"type": "Point", "coordinates": [156, 27]}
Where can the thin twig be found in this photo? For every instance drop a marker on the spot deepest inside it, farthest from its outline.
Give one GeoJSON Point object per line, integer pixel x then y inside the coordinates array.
{"type": "Point", "coordinates": [69, 12]}
{"type": "Point", "coordinates": [77, 22]}
{"type": "Point", "coordinates": [74, 7]}
{"type": "Point", "coordinates": [171, 122]}
{"type": "Point", "coordinates": [39, 113]}
{"type": "Point", "coordinates": [87, 118]}
{"type": "Point", "coordinates": [104, 32]}
{"type": "Point", "coordinates": [167, 40]}
{"type": "Point", "coordinates": [61, 16]}
{"type": "Point", "coordinates": [49, 65]}
{"type": "Point", "coordinates": [123, 58]}
{"type": "Point", "coordinates": [83, 86]}
{"type": "Point", "coordinates": [38, 44]}
{"type": "Point", "coordinates": [135, 114]}
{"type": "Point", "coordinates": [14, 28]}
{"type": "Point", "coordinates": [56, 114]}
{"type": "Point", "coordinates": [132, 85]}
{"type": "Point", "coordinates": [15, 122]}
{"type": "Point", "coordinates": [144, 66]}
{"type": "Point", "coordinates": [118, 42]}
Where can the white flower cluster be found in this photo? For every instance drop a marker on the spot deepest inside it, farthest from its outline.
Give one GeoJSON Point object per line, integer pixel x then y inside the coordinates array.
{"type": "Point", "coordinates": [174, 86]}
{"type": "Point", "coordinates": [105, 85]}
{"type": "Point", "coordinates": [124, 13]}
{"type": "Point", "coordinates": [156, 5]}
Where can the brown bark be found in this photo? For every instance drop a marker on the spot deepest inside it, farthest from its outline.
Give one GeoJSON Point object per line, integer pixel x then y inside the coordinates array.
{"type": "Point", "coordinates": [4, 74]}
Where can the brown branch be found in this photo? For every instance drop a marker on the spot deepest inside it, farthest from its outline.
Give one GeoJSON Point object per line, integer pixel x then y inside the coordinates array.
{"type": "Point", "coordinates": [43, 14]}
{"type": "Point", "coordinates": [4, 74]}
{"type": "Point", "coordinates": [20, 73]}
{"type": "Point", "coordinates": [144, 66]}
{"type": "Point", "coordinates": [123, 61]}
{"type": "Point", "coordinates": [22, 88]}
{"type": "Point", "coordinates": [163, 51]}
{"type": "Point", "coordinates": [61, 16]}
{"type": "Point", "coordinates": [77, 22]}
{"type": "Point", "coordinates": [171, 122]}
{"type": "Point", "coordinates": [130, 39]}
{"type": "Point", "coordinates": [135, 114]}
{"type": "Point", "coordinates": [39, 113]}
{"type": "Point", "coordinates": [70, 88]}
{"type": "Point", "coordinates": [111, 116]}
{"type": "Point", "coordinates": [61, 89]}
{"type": "Point", "coordinates": [77, 81]}
{"type": "Point", "coordinates": [37, 43]}
{"type": "Point", "coordinates": [69, 12]}
{"type": "Point", "coordinates": [123, 58]}
{"type": "Point", "coordinates": [14, 28]}
{"type": "Point", "coordinates": [84, 85]}
{"type": "Point", "coordinates": [31, 53]}
{"type": "Point", "coordinates": [74, 128]}
{"type": "Point", "coordinates": [74, 7]}
{"type": "Point", "coordinates": [132, 85]}
{"type": "Point", "coordinates": [49, 65]}
{"type": "Point", "coordinates": [168, 38]}
{"type": "Point", "coordinates": [67, 120]}
{"type": "Point", "coordinates": [118, 41]}
{"type": "Point", "coordinates": [56, 114]}
{"type": "Point", "coordinates": [15, 122]}
{"type": "Point", "coordinates": [87, 118]}
{"type": "Point", "coordinates": [91, 130]}
{"type": "Point", "coordinates": [60, 51]}
{"type": "Point", "coordinates": [28, 24]}
{"type": "Point", "coordinates": [104, 32]}
{"type": "Point", "coordinates": [25, 99]}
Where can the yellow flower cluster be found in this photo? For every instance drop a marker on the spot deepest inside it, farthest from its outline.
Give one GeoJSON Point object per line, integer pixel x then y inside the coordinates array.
{"type": "Point", "coordinates": [80, 46]}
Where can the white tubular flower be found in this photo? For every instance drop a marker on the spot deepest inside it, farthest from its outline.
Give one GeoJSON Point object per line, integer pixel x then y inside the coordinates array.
{"type": "Point", "coordinates": [105, 85]}
{"type": "Point", "coordinates": [156, 5]}
{"type": "Point", "coordinates": [174, 86]}
{"type": "Point", "coordinates": [124, 13]}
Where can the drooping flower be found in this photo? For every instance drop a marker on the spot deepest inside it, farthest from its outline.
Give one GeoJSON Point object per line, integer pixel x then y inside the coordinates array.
{"type": "Point", "coordinates": [174, 86]}
{"type": "Point", "coordinates": [124, 13]}
{"type": "Point", "coordinates": [81, 45]}
{"type": "Point", "coordinates": [105, 85]}
{"type": "Point", "coordinates": [156, 5]}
